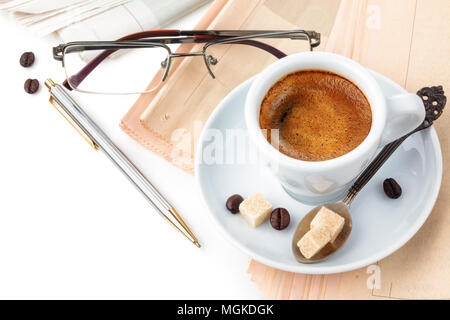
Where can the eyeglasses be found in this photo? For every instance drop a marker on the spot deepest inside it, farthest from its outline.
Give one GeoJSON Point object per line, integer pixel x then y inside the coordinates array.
{"type": "Point", "coordinates": [123, 66]}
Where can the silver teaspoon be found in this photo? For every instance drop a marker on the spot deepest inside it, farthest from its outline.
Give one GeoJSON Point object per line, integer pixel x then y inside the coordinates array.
{"type": "Point", "coordinates": [434, 101]}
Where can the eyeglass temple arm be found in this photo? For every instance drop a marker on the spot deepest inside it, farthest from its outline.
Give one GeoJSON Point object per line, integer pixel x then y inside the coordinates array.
{"type": "Point", "coordinates": [77, 78]}
{"type": "Point", "coordinates": [261, 45]}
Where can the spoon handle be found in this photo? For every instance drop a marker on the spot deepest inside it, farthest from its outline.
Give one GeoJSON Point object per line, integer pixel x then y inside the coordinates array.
{"type": "Point", "coordinates": [434, 103]}
{"type": "Point", "coordinates": [370, 171]}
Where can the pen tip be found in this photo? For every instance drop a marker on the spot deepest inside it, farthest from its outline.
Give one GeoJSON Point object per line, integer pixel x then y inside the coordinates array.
{"type": "Point", "coordinates": [197, 244]}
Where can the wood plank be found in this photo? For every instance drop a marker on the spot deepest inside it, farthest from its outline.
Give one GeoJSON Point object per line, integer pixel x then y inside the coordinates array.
{"type": "Point", "coordinates": [430, 248]}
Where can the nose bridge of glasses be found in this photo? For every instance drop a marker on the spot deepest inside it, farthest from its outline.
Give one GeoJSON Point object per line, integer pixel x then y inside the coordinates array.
{"type": "Point", "coordinates": [195, 54]}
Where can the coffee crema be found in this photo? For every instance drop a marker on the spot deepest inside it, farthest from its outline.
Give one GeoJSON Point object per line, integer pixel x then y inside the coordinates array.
{"type": "Point", "coordinates": [320, 115]}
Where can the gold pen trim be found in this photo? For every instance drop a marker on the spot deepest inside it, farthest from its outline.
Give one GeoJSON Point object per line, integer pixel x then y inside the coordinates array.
{"type": "Point", "coordinates": [50, 84]}
{"type": "Point", "coordinates": [177, 216]}
{"type": "Point", "coordinates": [193, 240]}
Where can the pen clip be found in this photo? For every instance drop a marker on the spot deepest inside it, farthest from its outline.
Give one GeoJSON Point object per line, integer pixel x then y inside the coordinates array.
{"type": "Point", "coordinates": [85, 135]}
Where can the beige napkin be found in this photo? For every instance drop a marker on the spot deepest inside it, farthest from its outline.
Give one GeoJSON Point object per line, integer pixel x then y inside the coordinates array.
{"type": "Point", "coordinates": [406, 40]}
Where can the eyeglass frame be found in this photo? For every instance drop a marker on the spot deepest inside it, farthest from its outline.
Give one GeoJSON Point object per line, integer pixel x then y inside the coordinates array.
{"type": "Point", "coordinates": [161, 39]}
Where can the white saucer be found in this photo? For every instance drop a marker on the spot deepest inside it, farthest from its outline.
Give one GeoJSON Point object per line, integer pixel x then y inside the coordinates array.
{"type": "Point", "coordinates": [380, 225]}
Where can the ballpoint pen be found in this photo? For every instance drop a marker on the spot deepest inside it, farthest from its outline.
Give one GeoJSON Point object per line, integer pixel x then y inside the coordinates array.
{"type": "Point", "coordinates": [98, 140]}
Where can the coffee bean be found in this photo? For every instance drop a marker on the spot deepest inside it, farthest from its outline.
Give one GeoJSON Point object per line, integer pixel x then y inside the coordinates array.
{"type": "Point", "coordinates": [280, 218]}
{"type": "Point", "coordinates": [233, 203]}
{"type": "Point", "coordinates": [27, 59]}
{"type": "Point", "coordinates": [392, 188]}
{"type": "Point", "coordinates": [31, 86]}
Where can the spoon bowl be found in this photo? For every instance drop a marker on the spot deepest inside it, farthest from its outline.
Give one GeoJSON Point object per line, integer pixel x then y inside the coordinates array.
{"type": "Point", "coordinates": [303, 227]}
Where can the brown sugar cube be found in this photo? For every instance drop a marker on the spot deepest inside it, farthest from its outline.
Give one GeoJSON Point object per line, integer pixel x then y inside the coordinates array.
{"type": "Point", "coordinates": [327, 218]}
{"type": "Point", "coordinates": [313, 241]}
{"type": "Point", "coordinates": [255, 209]}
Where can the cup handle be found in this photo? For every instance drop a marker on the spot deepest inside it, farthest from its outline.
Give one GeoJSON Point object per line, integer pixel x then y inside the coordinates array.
{"type": "Point", "coordinates": [405, 112]}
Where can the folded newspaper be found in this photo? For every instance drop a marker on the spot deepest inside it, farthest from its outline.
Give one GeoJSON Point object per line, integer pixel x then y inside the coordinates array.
{"type": "Point", "coordinates": [96, 19]}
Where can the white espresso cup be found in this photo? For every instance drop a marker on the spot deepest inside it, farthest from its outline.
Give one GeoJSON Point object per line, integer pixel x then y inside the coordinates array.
{"type": "Point", "coordinates": [321, 181]}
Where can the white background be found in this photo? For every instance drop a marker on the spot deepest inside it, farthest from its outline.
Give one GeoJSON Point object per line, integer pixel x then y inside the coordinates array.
{"type": "Point", "coordinates": [71, 226]}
